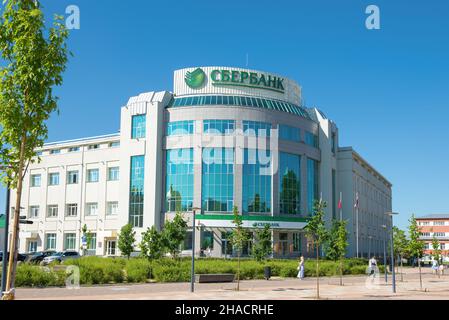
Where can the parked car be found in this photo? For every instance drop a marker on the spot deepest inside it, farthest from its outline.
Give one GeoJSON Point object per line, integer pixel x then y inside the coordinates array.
{"type": "Point", "coordinates": [61, 256]}
{"type": "Point", "coordinates": [37, 257]}
{"type": "Point", "coordinates": [20, 257]}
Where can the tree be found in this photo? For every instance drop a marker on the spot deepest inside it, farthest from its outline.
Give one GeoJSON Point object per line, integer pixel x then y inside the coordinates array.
{"type": "Point", "coordinates": [239, 236]}
{"type": "Point", "coordinates": [33, 59]}
{"type": "Point", "coordinates": [126, 240]}
{"type": "Point", "coordinates": [152, 246]}
{"type": "Point", "coordinates": [89, 237]}
{"type": "Point", "coordinates": [400, 243]}
{"type": "Point", "coordinates": [262, 244]}
{"type": "Point", "coordinates": [415, 245]}
{"type": "Point", "coordinates": [337, 243]}
{"type": "Point", "coordinates": [173, 234]}
{"type": "Point", "coordinates": [316, 231]}
{"type": "Point", "coordinates": [436, 249]}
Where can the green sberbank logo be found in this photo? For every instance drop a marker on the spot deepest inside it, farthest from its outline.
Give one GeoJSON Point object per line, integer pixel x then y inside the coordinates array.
{"type": "Point", "coordinates": [195, 79]}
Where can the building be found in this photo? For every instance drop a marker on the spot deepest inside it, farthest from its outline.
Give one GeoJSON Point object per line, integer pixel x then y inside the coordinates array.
{"type": "Point", "coordinates": [2, 231]}
{"type": "Point", "coordinates": [434, 226]}
{"type": "Point", "coordinates": [224, 137]}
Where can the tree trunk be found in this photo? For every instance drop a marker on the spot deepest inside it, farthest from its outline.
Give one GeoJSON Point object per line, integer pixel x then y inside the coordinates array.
{"type": "Point", "coordinates": [402, 271]}
{"type": "Point", "coordinates": [13, 252]}
{"type": "Point", "coordinates": [238, 271]}
{"type": "Point", "coordinates": [341, 271]}
{"type": "Point", "coordinates": [420, 277]}
{"type": "Point", "coordinates": [317, 272]}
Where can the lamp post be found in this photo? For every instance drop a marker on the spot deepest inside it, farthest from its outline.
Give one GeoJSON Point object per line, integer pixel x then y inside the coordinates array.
{"type": "Point", "coordinates": [385, 253]}
{"type": "Point", "coordinates": [5, 244]}
{"type": "Point", "coordinates": [392, 252]}
{"type": "Point", "coordinates": [192, 276]}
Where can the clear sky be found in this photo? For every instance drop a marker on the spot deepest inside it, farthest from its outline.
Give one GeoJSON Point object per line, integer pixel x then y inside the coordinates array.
{"type": "Point", "coordinates": [387, 89]}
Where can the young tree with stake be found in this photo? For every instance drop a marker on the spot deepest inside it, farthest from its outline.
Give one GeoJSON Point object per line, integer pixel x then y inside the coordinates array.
{"type": "Point", "coordinates": [338, 242]}
{"type": "Point", "coordinates": [33, 59]}
{"type": "Point", "coordinates": [415, 245]}
{"type": "Point", "coordinates": [239, 237]}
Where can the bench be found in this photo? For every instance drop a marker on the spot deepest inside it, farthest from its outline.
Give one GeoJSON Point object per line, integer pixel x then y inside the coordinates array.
{"type": "Point", "coordinates": [211, 278]}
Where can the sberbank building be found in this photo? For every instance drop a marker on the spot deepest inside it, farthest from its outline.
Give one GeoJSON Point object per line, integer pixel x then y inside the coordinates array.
{"type": "Point", "coordinates": [223, 139]}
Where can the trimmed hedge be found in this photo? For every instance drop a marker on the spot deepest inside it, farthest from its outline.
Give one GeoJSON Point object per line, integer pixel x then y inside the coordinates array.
{"type": "Point", "coordinates": [99, 270]}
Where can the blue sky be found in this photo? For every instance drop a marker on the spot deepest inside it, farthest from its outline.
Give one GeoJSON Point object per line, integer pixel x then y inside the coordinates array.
{"type": "Point", "coordinates": [387, 90]}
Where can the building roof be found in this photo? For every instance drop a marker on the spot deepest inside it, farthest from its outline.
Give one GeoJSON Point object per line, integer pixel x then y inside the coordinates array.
{"type": "Point", "coordinates": [434, 216]}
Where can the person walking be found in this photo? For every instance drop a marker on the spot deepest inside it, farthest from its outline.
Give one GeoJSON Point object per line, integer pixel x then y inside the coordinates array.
{"type": "Point", "coordinates": [372, 265]}
{"type": "Point", "coordinates": [435, 266]}
{"type": "Point", "coordinates": [301, 268]}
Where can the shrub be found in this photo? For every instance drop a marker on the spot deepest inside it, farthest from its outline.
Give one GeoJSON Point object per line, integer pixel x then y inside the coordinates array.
{"type": "Point", "coordinates": [171, 274]}
{"type": "Point", "coordinates": [138, 270]}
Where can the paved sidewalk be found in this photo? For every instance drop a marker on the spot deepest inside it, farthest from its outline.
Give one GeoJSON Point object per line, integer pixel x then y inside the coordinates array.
{"type": "Point", "coordinates": [355, 287]}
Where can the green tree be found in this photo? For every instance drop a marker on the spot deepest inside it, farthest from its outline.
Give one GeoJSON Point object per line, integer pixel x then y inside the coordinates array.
{"type": "Point", "coordinates": [173, 234]}
{"type": "Point", "coordinates": [400, 243]}
{"type": "Point", "coordinates": [33, 59]}
{"type": "Point", "coordinates": [126, 240]}
{"type": "Point", "coordinates": [152, 245]}
{"type": "Point", "coordinates": [316, 232]}
{"type": "Point", "coordinates": [239, 237]}
{"type": "Point", "coordinates": [262, 243]}
{"type": "Point", "coordinates": [337, 244]}
{"type": "Point", "coordinates": [415, 245]}
{"type": "Point", "coordinates": [436, 249]}
{"type": "Point", "coordinates": [89, 237]}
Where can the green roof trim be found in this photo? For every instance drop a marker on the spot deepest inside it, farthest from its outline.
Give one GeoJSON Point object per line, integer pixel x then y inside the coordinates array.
{"type": "Point", "coordinates": [2, 222]}
{"type": "Point", "coordinates": [250, 218]}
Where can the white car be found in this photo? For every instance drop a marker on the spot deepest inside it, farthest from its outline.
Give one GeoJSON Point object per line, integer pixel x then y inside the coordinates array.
{"type": "Point", "coordinates": [61, 256]}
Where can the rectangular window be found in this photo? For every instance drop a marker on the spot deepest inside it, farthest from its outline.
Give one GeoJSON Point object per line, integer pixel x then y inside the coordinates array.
{"type": "Point", "coordinates": [111, 246]}
{"type": "Point", "coordinates": [312, 184]}
{"type": "Point", "coordinates": [289, 133]}
{"type": "Point", "coordinates": [92, 209]}
{"type": "Point", "coordinates": [438, 223]}
{"type": "Point", "coordinates": [297, 242]}
{"type": "Point", "coordinates": [226, 244]}
{"type": "Point", "coordinates": [207, 240]}
{"type": "Point", "coordinates": [93, 147]}
{"type": "Point", "coordinates": [136, 197]}
{"type": "Point", "coordinates": [311, 139]}
{"type": "Point", "coordinates": [181, 128]}
{"type": "Point", "coordinates": [35, 180]}
{"type": "Point", "coordinates": [218, 179]}
{"type": "Point", "coordinates": [32, 246]}
{"type": "Point", "coordinates": [334, 142]}
{"type": "Point", "coordinates": [289, 183]}
{"type": "Point", "coordinates": [138, 126]}
{"type": "Point", "coordinates": [187, 245]}
{"type": "Point", "coordinates": [34, 212]}
{"type": "Point", "coordinates": [71, 210]}
{"type": "Point", "coordinates": [256, 129]}
{"type": "Point", "coordinates": [92, 244]}
{"type": "Point", "coordinates": [69, 241]}
{"type": "Point", "coordinates": [52, 211]}
{"type": "Point", "coordinates": [218, 126]}
{"type": "Point", "coordinates": [257, 181]}
{"type": "Point", "coordinates": [74, 149]}
{"type": "Point", "coordinates": [53, 179]}
{"type": "Point", "coordinates": [114, 144]}
{"type": "Point", "coordinates": [179, 180]}
{"type": "Point", "coordinates": [50, 241]}
{"type": "Point", "coordinates": [334, 194]}
{"type": "Point", "coordinates": [112, 208]}
{"type": "Point", "coordinates": [72, 177]}
{"type": "Point", "coordinates": [55, 151]}
{"type": "Point", "coordinates": [92, 175]}
{"type": "Point", "coordinates": [113, 173]}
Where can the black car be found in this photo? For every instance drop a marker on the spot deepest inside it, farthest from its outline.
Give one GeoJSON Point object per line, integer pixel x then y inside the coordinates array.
{"type": "Point", "coordinates": [37, 257]}
{"type": "Point", "coordinates": [20, 257]}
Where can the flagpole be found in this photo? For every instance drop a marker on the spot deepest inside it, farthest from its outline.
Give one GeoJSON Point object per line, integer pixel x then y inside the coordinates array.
{"type": "Point", "coordinates": [341, 207]}
{"type": "Point", "coordinates": [357, 222]}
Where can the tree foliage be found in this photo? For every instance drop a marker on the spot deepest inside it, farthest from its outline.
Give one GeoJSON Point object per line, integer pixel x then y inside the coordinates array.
{"type": "Point", "coordinates": [436, 249]}
{"type": "Point", "coordinates": [400, 242]}
{"type": "Point", "coordinates": [262, 246]}
{"type": "Point", "coordinates": [152, 245]}
{"type": "Point", "coordinates": [415, 245]}
{"type": "Point", "coordinates": [173, 234]}
{"type": "Point", "coordinates": [126, 240]}
{"type": "Point", "coordinates": [337, 240]}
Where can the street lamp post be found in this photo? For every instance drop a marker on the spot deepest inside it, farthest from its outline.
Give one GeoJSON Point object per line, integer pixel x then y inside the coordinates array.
{"type": "Point", "coordinates": [5, 244]}
{"type": "Point", "coordinates": [385, 253]}
{"type": "Point", "coordinates": [192, 276]}
{"type": "Point", "coordinates": [393, 279]}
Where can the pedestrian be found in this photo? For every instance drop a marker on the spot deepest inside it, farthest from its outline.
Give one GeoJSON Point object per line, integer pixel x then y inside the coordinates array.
{"type": "Point", "coordinates": [435, 266]}
{"type": "Point", "coordinates": [372, 265]}
{"type": "Point", "coordinates": [301, 268]}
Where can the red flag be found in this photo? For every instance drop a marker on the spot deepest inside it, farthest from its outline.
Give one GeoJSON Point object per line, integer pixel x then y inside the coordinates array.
{"type": "Point", "coordinates": [339, 204]}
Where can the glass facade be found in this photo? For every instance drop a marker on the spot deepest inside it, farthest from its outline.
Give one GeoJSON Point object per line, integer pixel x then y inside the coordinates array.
{"type": "Point", "coordinates": [219, 126]}
{"type": "Point", "coordinates": [256, 181]}
{"type": "Point", "coordinates": [289, 133]}
{"type": "Point", "coordinates": [218, 179]}
{"type": "Point", "coordinates": [312, 184]}
{"type": "Point", "coordinates": [240, 101]}
{"type": "Point", "coordinates": [138, 126]}
{"type": "Point", "coordinates": [179, 180]}
{"type": "Point", "coordinates": [180, 128]}
{"type": "Point", "coordinates": [255, 128]}
{"type": "Point", "coordinates": [289, 183]}
{"type": "Point", "coordinates": [136, 192]}
{"type": "Point", "coordinates": [311, 139]}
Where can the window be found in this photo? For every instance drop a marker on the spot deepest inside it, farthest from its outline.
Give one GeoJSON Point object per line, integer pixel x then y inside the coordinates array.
{"type": "Point", "coordinates": [218, 126]}
{"type": "Point", "coordinates": [334, 142]}
{"type": "Point", "coordinates": [425, 234]}
{"type": "Point", "coordinates": [92, 244]}
{"type": "Point", "coordinates": [296, 242]}
{"type": "Point", "coordinates": [92, 175]}
{"type": "Point", "coordinates": [35, 180]}
{"type": "Point", "coordinates": [69, 241]}
{"type": "Point", "coordinates": [311, 139]}
{"type": "Point", "coordinates": [55, 151]}
{"type": "Point", "coordinates": [39, 153]}
{"type": "Point", "coordinates": [52, 211]}
{"type": "Point", "coordinates": [93, 147]}
{"type": "Point", "coordinates": [218, 179]}
{"type": "Point", "coordinates": [289, 183]}
{"type": "Point", "coordinates": [289, 133]}
{"type": "Point", "coordinates": [312, 184]}
{"type": "Point", "coordinates": [257, 181]}
{"type": "Point", "coordinates": [136, 191]}
{"type": "Point", "coordinates": [114, 144]}
{"type": "Point", "coordinates": [424, 223]}
{"type": "Point", "coordinates": [72, 177]}
{"type": "Point", "coordinates": [179, 181]}
{"type": "Point", "coordinates": [53, 179]}
{"type": "Point", "coordinates": [92, 209]}
{"type": "Point", "coordinates": [334, 196]}
{"type": "Point", "coordinates": [111, 246]}
{"type": "Point", "coordinates": [50, 241]}
{"type": "Point", "coordinates": [257, 129]}
{"type": "Point", "coordinates": [34, 212]}
{"type": "Point", "coordinates": [181, 128]}
{"type": "Point", "coordinates": [187, 244]}
{"type": "Point", "coordinates": [443, 246]}
{"type": "Point", "coordinates": [226, 245]}
{"type": "Point", "coordinates": [72, 210]}
{"type": "Point", "coordinates": [32, 246]}
{"type": "Point", "coordinates": [438, 223]}
{"type": "Point", "coordinates": [112, 208]}
{"type": "Point", "coordinates": [439, 234]}
{"type": "Point", "coordinates": [207, 240]}
{"type": "Point", "coordinates": [113, 173]}
{"type": "Point", "coordinates": [74, 149]}
{"type": "Point", "coordinates": [138, 127]}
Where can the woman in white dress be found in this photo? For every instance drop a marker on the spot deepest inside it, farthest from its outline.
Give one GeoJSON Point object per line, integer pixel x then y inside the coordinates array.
{"type": "Point", "coordinates": [301, 268]}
